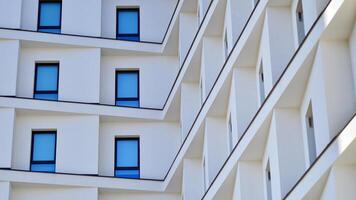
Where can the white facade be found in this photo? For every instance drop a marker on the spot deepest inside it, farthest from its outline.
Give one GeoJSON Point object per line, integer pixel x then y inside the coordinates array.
{"type": "Point", "coordinates": [238, 99]}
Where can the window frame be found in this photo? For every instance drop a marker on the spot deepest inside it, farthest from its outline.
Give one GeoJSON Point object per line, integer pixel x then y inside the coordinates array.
{"type": "Point", "coordinates": [310, 133]}
{"type": "Point", "coordinates": [129, 98]}
{"type": "Point", "coordinates": [34, 132]}
{"type": "Point", "coordinates": [261, 82]}
{"type": "Point", "coordinates": [39, 16]}
{"type": "Point", "coordinates": [116, 168]}
{"type": "Point", "coordinates": [300, 23]}
{"type": "Point", "coordinates": [37, 65]}
{"type": "Point", "coordinates": [118, 35]}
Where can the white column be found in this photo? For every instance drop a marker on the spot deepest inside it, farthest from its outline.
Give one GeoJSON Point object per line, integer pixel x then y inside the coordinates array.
{"type": "Point", "coordinates": [5, 191]}
{"type": "Point", "coordinates": [192, 179]}
{"type": "Point", "coordinates": [9, 56]}
{"type": "Point", "coordinates": [7, 120]}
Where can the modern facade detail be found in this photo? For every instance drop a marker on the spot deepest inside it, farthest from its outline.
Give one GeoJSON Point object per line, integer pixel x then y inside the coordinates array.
{"type": "Point", "coordinates": [177, 99]}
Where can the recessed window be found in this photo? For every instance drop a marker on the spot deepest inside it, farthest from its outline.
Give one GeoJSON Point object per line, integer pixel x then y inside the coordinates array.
{"type": "Point", "coordinates": [46, 81]}
{"type": "Point", "coordinates": [127, 158]}
{"type": "Point", "coordinates": [128, 24]}
{"type": "Point", "coordinates": [43, 156]}
{"type": "Point", "coordinates": [268, 181]}
{"type": "Point", "coordinates": [300, 21]}
{"type": "Point", "coordinates": [127, 88]}
{"type": "Point", "coordinates": [49, 16]}
{"type": "Point", "coordinates": [261, 80]}
{"type": "Point", "coordinates": [226, 47]}
{"type": "Point", "coordinates": [230, 134]}
{"type": "Point", "coordinates": [204, 173]}
{"type": "Point", "coordinates": [309, 121]}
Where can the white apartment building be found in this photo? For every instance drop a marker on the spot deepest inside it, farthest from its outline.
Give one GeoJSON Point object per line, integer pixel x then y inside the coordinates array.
{"type": "Point", "coordinates": [177, 99]}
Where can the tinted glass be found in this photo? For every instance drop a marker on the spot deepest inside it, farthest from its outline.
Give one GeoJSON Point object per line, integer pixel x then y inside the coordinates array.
{"type": "Point", "coordinates": [127, 153]}
{"type": "Point", "coordinates": [44, 145]}
{"type": "Point", "coordinates": [49, 30]}
{"type": "Point", "coordinates": [43, 167]}
{"type": "Point", "coordinates": [127, 173]}
{"type": "Point", "coordinates": [127, 85]}
{"type": "Point", "coordinates": [128, 21]}
{"type": "Point", "coordinates": [47, 96]}
{"type": "Point", "coordinates": [128, 103]}
{"type": "Point", "coordinates": [50, 14]}
{"type": "Point", "coordinates": [46, 79]}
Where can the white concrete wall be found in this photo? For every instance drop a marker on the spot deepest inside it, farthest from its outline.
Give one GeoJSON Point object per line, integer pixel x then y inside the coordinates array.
{"type": "Point", "coordinates": [79, 72]}
{"type": "Point", "coordinates": [290, 147]}
{"type": "Point", "coordinates": [281, 40]}
{"type": "Point", "coordinates": [34, 192]}
{"type": "Point", "coordinates": [352, 47]}
{"type": "Point", "coordinates": [340, 183]}
{"type": "Point", "coordinates": [240, 11]}
{"type": "Point", "coordinates": [154, 17]}
{"type": "Point", "coordinates": [5, 191]}
{"type": "Point", "coordinates": [339, 92]}
{"type": "Point", "coordinates": [215, 145]}
{"type": "Point", "coordinates": [73, 131]}
{"type": "Point", "coordinates": [246, 85]}
{"type": "Point", "coordinates": [152, 92]}
{"type": "Point", "coordinates": [159, 143]}
{"type": "Point", "coordinates": [138, 196]}
{"type": "Point", "coordinates": [82, 17]}
{"type": "Point", "coordinates": [212, 61]}
{"type": "Point", "coordinates": [190, 105]}
{"type": "Point", "coordinates": [192, 179]}
{"type": "Point", "coordinates": [249, 181]}
{"type": "Point", "coordinates": [7, 122]}
{"type": "Point", "coordinates": [188, 25]}
{"type": "Point", "coordinates": [9, 56]}
{"type": "Point", "coordinates": [10, 13]}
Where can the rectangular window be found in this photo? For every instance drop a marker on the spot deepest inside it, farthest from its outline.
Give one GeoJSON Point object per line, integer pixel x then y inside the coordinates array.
{"type": "Point", "coordinates": [127, 88]}
{"type": "Point", "coordinates": [46, 81]}
{"type": "Point", "coordinates": [127, 157]}
{"type": "Point", "coordinates": [204, 173]}
{"type": "Point", "coordinates": [43, 151]}
{"type": "Point", "coordinates": [128, 24]}
{"type": "Point", "coordinates": [226, 47]}
{"type": "Point", "coordinates": [300, 22]}
{"type": "Point", "coordinates": [230, 134]}
{"type": "Point", "coordinates": [261, 80]}
{"type": "Point", "coordinates": [49, 16]}
{"type": "Point", "coordinates": [268, 181]}
{"type": "Point", "coordinates": [310, 133]}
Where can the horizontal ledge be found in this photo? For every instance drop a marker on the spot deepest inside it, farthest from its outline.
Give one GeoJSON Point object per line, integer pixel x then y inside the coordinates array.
{"type": "Point", "coordinates": [80, 108]}
{"type": "Point", "coordinates": [83, 41]}
{"type": "Point", "coordinates": [80, 180]}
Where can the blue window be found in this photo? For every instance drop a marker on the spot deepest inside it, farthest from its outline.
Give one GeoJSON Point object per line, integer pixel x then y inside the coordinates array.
{"type": "Point", "coordinates": [43, 152]}
{"type": "Point", "coordinates": [49, 16]}
{"type": "Point", "coordinates": [46, 81]}
{"type": "Point", "coordinates": [127, 157]}
{"type": "Point", "coordinates": [127, 88]}
{"type": "Point", "coordinates": [128, 24]}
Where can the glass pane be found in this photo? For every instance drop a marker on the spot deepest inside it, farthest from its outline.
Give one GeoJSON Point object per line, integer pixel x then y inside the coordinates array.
{"type": "Point", "coordinates": [47, 78]}
{"type": "Point", "coordinates": [127, 173]}
{"type": "Point", "coordinates": [127, 103]}
{"type": "Point", "coordinates": [50, 30]}
{"type": "Point", "coordinates": [43, 167]}
{"type": "Point", "coordinates": [127, 85]}
{"type": "Point", "coordinates": [130, 38]}
{"type": "Point", "coordinates": [47, 96]}
{"type": "Point", "coordinates": [127, 153]}
{"type": "Point", "coordinates": [44, 147]}
{"type": "Point", "coordinates": [50, 14]}
{"type": "Point", "coordinates": [128, 22]}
